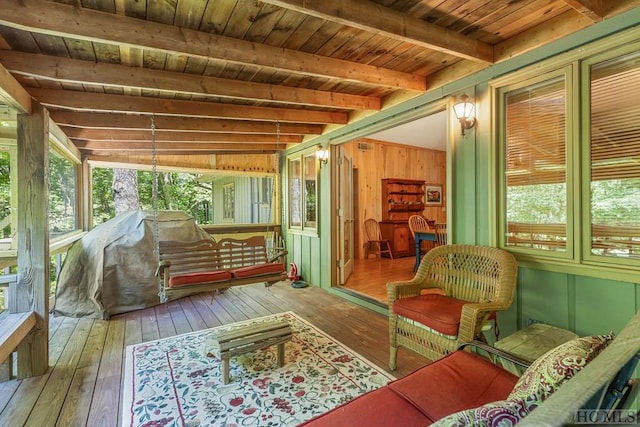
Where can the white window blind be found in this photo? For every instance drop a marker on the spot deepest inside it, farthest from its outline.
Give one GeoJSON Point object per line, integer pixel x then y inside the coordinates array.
{"type": "Point", "coordinates": [615, 157]}
{"type": "Point", "coordinates": [536, 165]}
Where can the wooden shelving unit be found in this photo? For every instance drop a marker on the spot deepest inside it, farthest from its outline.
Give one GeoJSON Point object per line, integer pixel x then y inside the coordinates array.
{"type": "Point", "coordinates": [401, 198]}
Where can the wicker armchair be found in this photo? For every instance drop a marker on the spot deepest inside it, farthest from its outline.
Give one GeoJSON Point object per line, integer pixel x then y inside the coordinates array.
{"type": "Point", "coordinates": [473, 282]}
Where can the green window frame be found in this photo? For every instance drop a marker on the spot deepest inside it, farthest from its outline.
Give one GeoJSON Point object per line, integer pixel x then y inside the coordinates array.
{"type": "Point", "coordinates": [65, 186]}
{"type": "Point", "coordinates": [9, 194]}
{"type": "Point", "coordinates": [302, 192]}
{"type": "Point", "coordinates": [535, 165]}
{"type": "Point", "coordinates": [63, 193]}
{"type": "Point", "coordinates": [602, 152]}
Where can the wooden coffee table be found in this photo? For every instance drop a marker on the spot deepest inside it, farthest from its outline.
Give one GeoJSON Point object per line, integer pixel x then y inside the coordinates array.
{"type": "Point", "coordinates": [227, 344]}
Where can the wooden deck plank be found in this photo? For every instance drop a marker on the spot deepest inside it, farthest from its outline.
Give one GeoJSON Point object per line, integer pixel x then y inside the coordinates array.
{"type": "Point", "coordinates": [132, 328]}
{"type": "Point", "coordinates": [51, 399]}
{"type": "Point", "coordinates": [218, 310]}
{"type": "Point", "coordinates": [91, 397]}
{"type": "Point", "coordinates": [26, 395]}
{"type": "Point", "coordinates": [54, 324]}
{"type": "Point", "coordinates": [204, 309]}
{"type": "Point", "coordinates": [150, 329]}
{"type": "Point", "coordinates": [7, 390]}
{"type": "Point", "coordinates": [165, 324]}
{"type": "Point", "coordinates": [178, 317]}
{"type": "Point", "coordinates": [235, 298]}
{"type": "Point", "coordinates": [106, 395]}
{"type": "Point", "coordinates": [194, 318]}
{"type": "Point", "coordinates": [268, 299]}
{"type": "Point", "coordinates": [226, 303]}
{"type": "Point", "coordinates": [77, 403]}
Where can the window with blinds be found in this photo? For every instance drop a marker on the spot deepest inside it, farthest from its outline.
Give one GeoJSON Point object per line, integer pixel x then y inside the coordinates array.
{"type": "Point", "coordinates": [536, 165]}
{"type": "Point", "coordinates": [615, 157]}
{"type": "Point", "coordinates": [295, 193]}
{"type": "Point", "coordinates": [303, 188]}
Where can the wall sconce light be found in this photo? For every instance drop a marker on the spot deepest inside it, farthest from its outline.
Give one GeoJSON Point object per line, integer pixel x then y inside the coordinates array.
{"type": "Point", "coordinates": [465, 113]}
{"type": "Point", "coordinates": [323, 155]}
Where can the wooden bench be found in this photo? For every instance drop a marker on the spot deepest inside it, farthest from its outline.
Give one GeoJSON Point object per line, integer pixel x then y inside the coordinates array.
{"type": "Point", "coordinates": [205, 265]}
{"type": "Point", "coordinates": [14, 327]}
{"type": "Point", "coordinates": [227, 344]}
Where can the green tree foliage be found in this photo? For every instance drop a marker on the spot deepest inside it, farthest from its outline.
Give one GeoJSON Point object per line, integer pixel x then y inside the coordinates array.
{"type": "Point", "coordinates": [103, 205]}
{"type": "Point", "coordinates": [176, 191]}
{"type": "Point", "coordinates": [62, 194]}
{"type": "Point", "coordinates": [5, 195]}
{"type": "Point", "coordinates": [616, 202]}
{"type": "Point", "coordinates": [613, 202]}
{"type": "Point", "coordinates": [537, 204]}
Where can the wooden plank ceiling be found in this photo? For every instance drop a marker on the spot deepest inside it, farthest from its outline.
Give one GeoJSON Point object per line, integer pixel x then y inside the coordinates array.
{"type": "Point", "coordinates": [249, 76]}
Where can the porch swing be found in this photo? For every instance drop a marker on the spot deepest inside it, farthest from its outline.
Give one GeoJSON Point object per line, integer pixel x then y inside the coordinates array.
{"type": "Point", "coordinates": [187, 267]}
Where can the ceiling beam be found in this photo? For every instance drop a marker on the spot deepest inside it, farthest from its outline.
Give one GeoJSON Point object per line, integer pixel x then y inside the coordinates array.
{"type": "Point", "coordinates": [194, 124]}
{"type": "Point", "coordinates": [375, 18]}
{"type": "Point", "coordinates": [102, 102]}
{"type": "Point", "coordinates": [554, 29]}
{"type": "Point", "coordinates": [145, 135]}
{"type": "Point", "coordinates": [121, 76]}
{"type": "Point", "coordinates": [63, 20]}
{"type": "Point", "coordinates": [93, 154]}
{"type": "Point", "coordinates": [142, 146]}
{"type": "Point", "coordinates": [12, 93]}
{"type": "Point", "coordinates": [592, 9]}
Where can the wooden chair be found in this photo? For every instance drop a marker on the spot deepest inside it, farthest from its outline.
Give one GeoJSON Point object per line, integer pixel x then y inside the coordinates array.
{"type": "Point", "coordinates": [441, 233]}
{"type": "Point", "coordinates": [374, 235]}
{"type": "Point", "coordinates": [419, 223]}
{"type": "Point", "coordinates": [473, 281]}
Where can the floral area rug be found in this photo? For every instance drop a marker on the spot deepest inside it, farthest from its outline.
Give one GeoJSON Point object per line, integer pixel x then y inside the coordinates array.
{"type": "Point", "coordinates": [177, 382]}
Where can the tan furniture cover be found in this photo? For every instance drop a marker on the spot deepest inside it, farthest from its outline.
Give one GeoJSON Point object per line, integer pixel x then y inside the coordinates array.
{"type": "Point", "coordinates": [111, 269]}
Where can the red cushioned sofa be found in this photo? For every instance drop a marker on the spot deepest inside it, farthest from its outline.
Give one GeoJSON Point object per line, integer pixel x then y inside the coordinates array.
{"type": "Point", "coordinates": [459, 381]}
{"type": "Point", "coordinates": [464, 388]}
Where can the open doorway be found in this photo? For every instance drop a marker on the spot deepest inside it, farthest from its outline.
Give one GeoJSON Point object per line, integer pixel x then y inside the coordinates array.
{"type": "Point", "coordinates": [411, 157]}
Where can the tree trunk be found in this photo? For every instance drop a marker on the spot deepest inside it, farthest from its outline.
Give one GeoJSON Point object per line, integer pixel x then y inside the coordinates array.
{"type": "Point", "coordinates": [125, 190]}
{"type": "Point", "coordinates": [167, 189]}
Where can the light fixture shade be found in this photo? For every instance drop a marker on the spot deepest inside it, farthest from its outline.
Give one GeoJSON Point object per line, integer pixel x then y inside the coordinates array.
{"type": "Point", "coordinates": [322, 154]}
{"type": "Point", "coordinates": [464, 110]}
{"type": "Point", "coordinates": [465, 113]}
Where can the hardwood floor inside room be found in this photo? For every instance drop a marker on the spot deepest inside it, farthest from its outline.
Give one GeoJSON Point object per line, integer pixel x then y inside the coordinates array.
{"type": "Point", "coordinates": [370, 276]}
{"type": "Point", "coordinates": [86, 356]}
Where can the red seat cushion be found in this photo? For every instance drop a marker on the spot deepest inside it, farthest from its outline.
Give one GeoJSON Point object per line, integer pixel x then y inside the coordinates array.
{"type": "Point", "coordinates": [258, 270]}
{"type": "Point", "coordinates": [200, 277]}
{"type": "Point", "coordinates": [439, 312]}
{"type": "Point", "coordinates": [459, 381]}
{"type": "Point", "coordinates": [381, 407]}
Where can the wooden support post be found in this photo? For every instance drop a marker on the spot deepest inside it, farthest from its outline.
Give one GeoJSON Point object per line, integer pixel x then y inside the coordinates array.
{"type": "Point", "coordinates": [32, 290]}
{"type": "Point", "coordinates": [86, 197]}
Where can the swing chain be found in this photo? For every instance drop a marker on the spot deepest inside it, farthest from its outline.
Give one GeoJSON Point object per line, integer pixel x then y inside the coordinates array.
{"type": "Point", "coordinates": [277, 244]}
{"type": "Point", "coordinates": [154, 198]}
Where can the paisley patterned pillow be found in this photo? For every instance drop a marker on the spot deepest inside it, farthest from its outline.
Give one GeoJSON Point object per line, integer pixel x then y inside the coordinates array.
{"type": "Point", "coordinates": [503, 413]}
{"type": "Point", "coordinates": [550, 370]}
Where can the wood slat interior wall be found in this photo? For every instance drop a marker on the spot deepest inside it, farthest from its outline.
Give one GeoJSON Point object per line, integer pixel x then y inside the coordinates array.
{"type": "Point", "coordinates": [381, 160]}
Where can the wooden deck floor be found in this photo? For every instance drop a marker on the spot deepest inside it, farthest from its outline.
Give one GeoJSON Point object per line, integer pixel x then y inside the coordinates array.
{"type": "Point", "coordinates": [83, 384]}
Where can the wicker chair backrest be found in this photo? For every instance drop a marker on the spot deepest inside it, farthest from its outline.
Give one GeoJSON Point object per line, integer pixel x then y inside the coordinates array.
{"type": "Point", "coordinates": [470, 272]}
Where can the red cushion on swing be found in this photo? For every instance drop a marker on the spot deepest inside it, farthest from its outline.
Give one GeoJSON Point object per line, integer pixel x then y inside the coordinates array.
{"type": "Point", "coordinates": [200, 277]}
{"type": "Point", "coordinates": [258, 270]}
